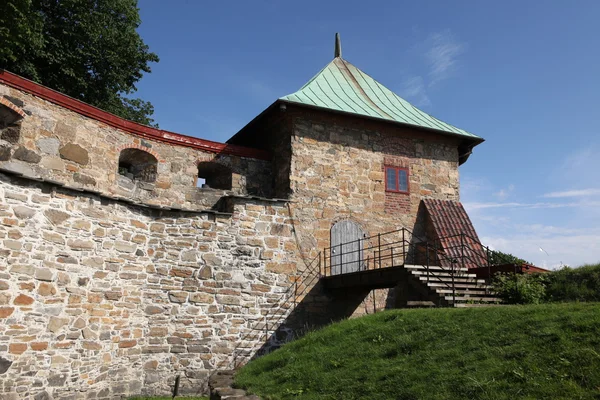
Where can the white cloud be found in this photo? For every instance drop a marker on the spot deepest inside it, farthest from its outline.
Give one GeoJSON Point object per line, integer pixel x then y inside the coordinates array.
{"type": "Point", "coordinates": [563, 221]}
{"type": "Point", "coordinates": [565, 248]}
{"type": "Point", "coordinates": [484, 205]}
{"type": "Point", "coordinates": [504, 193]}
{"type": "Point", "coordinates": [573, 193]}
{"type": "Point", "coordinates": [440, 52]}
{"type": "Point", "coordinates": [414, 88]}
{"type": "Point", "coordinates": [442, 55]}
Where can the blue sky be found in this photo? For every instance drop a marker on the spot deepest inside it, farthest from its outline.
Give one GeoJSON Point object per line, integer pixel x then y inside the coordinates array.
{"type": "Point", "coordinates": [523, 75]}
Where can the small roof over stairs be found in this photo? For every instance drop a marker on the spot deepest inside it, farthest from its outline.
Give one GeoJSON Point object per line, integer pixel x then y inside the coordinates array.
{"type": "Point", "coordinates": [449, 223]}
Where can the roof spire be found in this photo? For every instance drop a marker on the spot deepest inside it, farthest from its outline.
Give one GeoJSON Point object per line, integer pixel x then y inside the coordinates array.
{"type": "Point", "coordinates": [338, 46]}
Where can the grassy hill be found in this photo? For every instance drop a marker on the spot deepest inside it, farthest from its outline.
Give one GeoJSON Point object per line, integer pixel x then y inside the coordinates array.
{"type": "Point", "coordinates": [514, 352]}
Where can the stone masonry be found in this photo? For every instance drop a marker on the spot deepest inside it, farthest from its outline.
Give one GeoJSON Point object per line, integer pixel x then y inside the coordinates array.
{"type": "Point", "coordinates": [113, 284]}
{"type": "Point", "coordinates": [100, 299]}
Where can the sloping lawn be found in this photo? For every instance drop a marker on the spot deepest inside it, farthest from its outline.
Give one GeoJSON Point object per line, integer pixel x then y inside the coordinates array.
{"type": "Point", "coordinates": [547, 351]}
{"type": "Point", "coordinates": [168, 398]}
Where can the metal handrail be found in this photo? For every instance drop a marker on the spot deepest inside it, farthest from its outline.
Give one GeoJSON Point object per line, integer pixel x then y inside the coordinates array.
{"type": "Point", "coordinates": [460, 253]}
{"type": "Point", "coordinates": [398, 249]}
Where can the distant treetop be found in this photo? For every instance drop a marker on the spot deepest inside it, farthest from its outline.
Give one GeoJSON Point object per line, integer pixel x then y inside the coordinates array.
{"type": "Point", "coordinates": [87, 49]}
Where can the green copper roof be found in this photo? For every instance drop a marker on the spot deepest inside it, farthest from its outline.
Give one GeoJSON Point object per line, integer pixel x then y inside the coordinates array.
{"type": "Point", "coordinates": [340, 86]}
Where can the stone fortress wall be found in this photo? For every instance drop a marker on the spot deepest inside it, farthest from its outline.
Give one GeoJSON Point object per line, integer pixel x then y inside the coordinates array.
{"type": "Point", "coordinates": [118, 274]}
{"type": "Point", "coordinates": [112, 286]}
{"type": "Point", "coordinates": [58, 144]}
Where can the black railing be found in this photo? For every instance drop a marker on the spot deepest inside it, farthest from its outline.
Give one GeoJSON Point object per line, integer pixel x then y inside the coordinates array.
{"type": "Point", "coordinates": [453, 255]}
{"type": "Point", "coordinates": [273, 316]}
{"type": "Point", "coordinates": [383, 250]}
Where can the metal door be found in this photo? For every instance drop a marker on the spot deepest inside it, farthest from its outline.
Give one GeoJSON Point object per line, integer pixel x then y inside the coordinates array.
{"type": "Point", "coordinates": [346, 247]}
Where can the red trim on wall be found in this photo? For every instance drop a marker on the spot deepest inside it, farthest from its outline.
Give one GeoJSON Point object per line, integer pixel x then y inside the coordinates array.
{"type": "Point", "coordinates": [397, 169]}
{"type": "Point", "coordinates": [134, 128]}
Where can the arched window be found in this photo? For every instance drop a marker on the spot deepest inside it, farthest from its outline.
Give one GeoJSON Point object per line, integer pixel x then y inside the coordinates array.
{"type": "Point", "coordinates": [213, 175]}
{"type": "Point", "coordinates": [10, 121]}
{"type": "Point", "coordinates": [138, 165]}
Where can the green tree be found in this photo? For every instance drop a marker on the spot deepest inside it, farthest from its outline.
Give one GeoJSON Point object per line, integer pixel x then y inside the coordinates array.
{"type": "Point", "coordinates": [498, 257]}
{"type": "Point", "coordinates": [87, 49]}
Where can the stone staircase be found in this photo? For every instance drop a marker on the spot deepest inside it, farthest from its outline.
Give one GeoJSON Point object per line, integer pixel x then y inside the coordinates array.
{"type": "Point", "coordinates": [468, 290]}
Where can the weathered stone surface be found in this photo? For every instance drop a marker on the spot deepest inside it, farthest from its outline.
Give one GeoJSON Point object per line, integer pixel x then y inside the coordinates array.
{"type": "Point", "coordinates": [204, 298]}
{"type": "Point", "coordinates": [4, 153]}
{"type": "Point", "coordinates": [74, 152]}
{"type": "Point", "coordinates": [54, 163]}
{"type": "Point", "coordinates": [4, 365]}
{"type": "Point", "coordinates": [23, 269]}
{"type": "Point", "coordinates": [6, 312]}
{"type": "Point", "coordinates": [27, 155]}
{"type": "Point", "coordinates": [79, 323]}
{"type": "Point", "coordinates": [57, 380]}
{"type": "Point", "coordinates": [23, 300]}
{"type": "Point", "coordinates": [212, 260]}
{"type": "Point", "coordinates": [55, 324]}
{"type": "Point", "coordinates": [42, 396]}
{"type": "Point", "coordinates": [152, 310]}
{"type": "Point", "coordinates": [46, 289]}
{"type": "Point", "coordinates": [178, 297]}
{"type": "Point", "coordinates": [11, 134]}
{"type": "Point", "coordinates": [88, 334]}
{"type": "Point", "coordinates": [24, 212]}
{"type": "Point", "coordinates": [125, 344]}
{"type": "Point", "coordinates": [48, 145]}
{"type": "Point", "coordinates": [56, 216]}
{"type": "Point", "coordinates": [84, 179]}
{"type": "Point", "coordinates": [205, 272]}
{"type": "Point", "coordinates": [44, 274]}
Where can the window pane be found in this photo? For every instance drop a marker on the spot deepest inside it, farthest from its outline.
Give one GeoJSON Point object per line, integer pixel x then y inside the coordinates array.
{"type": "Point", "coordinates": [390, 177]}
{"type": "Point", "coordinates": [403, 180]}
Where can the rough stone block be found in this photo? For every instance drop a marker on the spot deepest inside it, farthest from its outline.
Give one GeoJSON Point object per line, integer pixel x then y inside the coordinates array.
{"type": "Point", "coordinates": [74, 152]}
{"type": "Point", "coordinates": [49, 145]}
{"type": "Point", "coordinates": [27, 155]}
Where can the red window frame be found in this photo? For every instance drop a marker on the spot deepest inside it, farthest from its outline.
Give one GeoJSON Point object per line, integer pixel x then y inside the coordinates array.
{"type": "Point", "coordinates": [397, 169]}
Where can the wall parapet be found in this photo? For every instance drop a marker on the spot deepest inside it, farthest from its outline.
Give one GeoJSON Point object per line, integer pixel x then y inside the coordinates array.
{"type": "Point", "coordinates": [134, 128]}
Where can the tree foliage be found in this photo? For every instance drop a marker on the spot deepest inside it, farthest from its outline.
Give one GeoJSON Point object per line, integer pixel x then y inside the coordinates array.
{"type": "Point", "coordinates": [497, 258]}
{"type": "Point", "coordinates": [87, 49]}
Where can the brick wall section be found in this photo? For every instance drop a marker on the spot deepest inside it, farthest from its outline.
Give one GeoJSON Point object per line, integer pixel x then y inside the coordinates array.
{"type": "Point", "coordinates": [99, 299]}
{"type": "Point", "coordinates": [397, 203]}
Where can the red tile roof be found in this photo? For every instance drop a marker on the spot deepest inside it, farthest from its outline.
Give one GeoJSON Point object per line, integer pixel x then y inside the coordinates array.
{"type": "Point", "coordinates": [455, 233]}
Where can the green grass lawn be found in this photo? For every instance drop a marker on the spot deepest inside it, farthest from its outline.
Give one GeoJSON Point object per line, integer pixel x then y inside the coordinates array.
{"type": "Point", "coordinates": [547, 351]}
{"type": "Point", "coordinates": [168, 398]}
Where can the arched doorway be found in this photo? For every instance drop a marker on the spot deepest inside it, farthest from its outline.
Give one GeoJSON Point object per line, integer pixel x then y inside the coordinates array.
{"type": "Point", "coordinates": [346, 247]}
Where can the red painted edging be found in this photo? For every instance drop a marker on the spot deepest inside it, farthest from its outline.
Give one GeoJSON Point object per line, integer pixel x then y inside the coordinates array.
{"type": "Point", "coordinates": [134, 128]}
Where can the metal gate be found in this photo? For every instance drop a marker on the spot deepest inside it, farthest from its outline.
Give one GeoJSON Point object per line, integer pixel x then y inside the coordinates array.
{"type": "Point", "coordinates": [346, 247]}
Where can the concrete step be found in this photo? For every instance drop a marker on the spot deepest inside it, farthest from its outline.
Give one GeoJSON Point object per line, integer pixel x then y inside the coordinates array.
{"type": "Point", "coordinates": [459, 274]}
{"type": "Point", "coordinates": [464, 291]}
{"type": "Point", "coordinates": [473, 285]}
{"type": "Point", "coordinates": [482, 299]}
{"type": "Point", "coordinates": [449, 279]}
{"type": "Point", "coordinates": [433, 268]}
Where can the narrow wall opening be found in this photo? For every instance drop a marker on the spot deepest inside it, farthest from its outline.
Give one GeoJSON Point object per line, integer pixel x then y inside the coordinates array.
{"type": "Point", "coordinates": [138, 165]}
{"type": "Point", "coordinates": [10, 125]}
{"type": "Point", "coordinates": [214, 175]}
